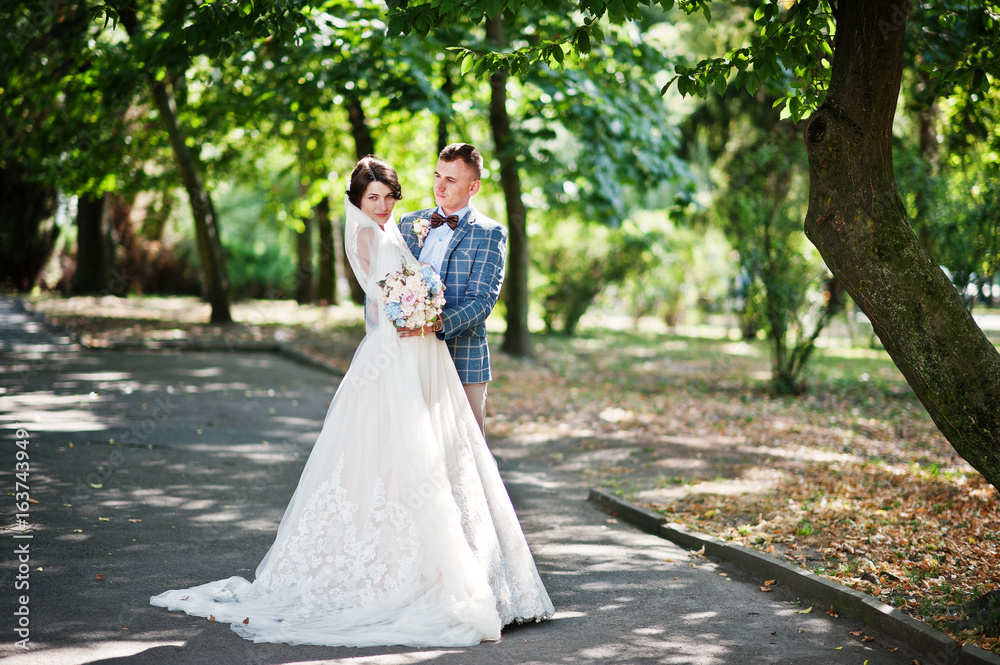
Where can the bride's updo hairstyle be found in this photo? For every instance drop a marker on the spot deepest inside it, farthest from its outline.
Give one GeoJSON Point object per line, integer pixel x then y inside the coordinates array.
{"type": "Point", "coordinates": [371, 169]}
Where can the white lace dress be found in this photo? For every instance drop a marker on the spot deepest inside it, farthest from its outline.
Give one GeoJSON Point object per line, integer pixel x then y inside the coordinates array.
{"type": "Point", "coordinates": [400, 530]}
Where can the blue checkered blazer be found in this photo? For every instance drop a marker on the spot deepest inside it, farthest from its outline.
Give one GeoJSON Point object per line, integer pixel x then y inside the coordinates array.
{"type": "Point", "coordinates": [472, 271]}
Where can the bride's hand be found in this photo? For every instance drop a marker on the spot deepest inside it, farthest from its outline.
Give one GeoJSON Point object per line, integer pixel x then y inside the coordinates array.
{"type": "Point", "coordinates": [428, 329]}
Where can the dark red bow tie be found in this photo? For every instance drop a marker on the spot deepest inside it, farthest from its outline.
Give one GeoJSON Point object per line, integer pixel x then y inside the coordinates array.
{"type": "Point", "coordinates": [438, 219]}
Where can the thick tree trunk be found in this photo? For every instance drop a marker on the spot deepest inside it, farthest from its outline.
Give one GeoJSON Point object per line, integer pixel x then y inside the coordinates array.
{"type": "Point", "coordinates": [205, 220]}
{"type": "Point", "coordinates": [364, 144]}
{"type": "Point", "coordinates": [857, 221]}
{"type": "Point", "coordinates": [517, 339]}
{"type": "Point", "coordinates": [326, 288]}
{"type": "Point", "coordinates": [93, 246]}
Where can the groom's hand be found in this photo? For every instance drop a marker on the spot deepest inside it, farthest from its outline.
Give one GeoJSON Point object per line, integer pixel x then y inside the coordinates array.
{"type": "Point", "coordinates": [415, 332]}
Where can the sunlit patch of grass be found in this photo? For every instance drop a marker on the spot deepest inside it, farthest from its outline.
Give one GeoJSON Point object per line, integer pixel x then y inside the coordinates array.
{"type": "Point", "coordinates": [805, 528]}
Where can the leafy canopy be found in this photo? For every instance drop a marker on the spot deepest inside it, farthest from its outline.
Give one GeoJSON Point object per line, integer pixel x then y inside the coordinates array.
{"type": "Point", "coordinates": [957, 41]}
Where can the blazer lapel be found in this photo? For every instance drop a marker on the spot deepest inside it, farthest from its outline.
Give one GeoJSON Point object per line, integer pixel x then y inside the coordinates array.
{"type": "Point", "coordinates": [456, 237]}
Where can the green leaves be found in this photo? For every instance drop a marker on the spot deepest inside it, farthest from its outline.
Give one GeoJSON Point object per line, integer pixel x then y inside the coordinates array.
{"type": "Point", "coordinates": [720, 84]}
{"type": "Point", "coordinates": [492, 7]}
{"type": "Point", "coordinates": [110, 15]}
{"type": "Point", "coordinates": [783, 54]}
{"type": "Point", "coordinates": [419, 19]}
{"type": "Point", "coordinates": [64, 95]}
{"type": "Point", "coordinates": [520, 61]}
{"type": "Point", "coordinates": [616, 11]}
{"type": "Point", "coordinates": [467, 58]}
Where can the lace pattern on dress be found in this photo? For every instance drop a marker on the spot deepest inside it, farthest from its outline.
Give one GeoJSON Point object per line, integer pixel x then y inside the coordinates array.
{"type": "Point", "coordinates": [366, 560]}
{"type": "Point", "coordinates": [496, 540]}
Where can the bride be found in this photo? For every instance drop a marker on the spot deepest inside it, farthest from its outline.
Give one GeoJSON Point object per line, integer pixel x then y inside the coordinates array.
{"type": "Point", "coordinates": [400, 530]}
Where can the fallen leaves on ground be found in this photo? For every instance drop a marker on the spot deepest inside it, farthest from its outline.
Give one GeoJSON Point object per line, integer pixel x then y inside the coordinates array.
{"type": "Point", "coordinates": [916, 538]}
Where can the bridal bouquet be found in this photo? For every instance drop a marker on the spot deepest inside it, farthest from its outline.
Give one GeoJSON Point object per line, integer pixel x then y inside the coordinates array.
{"type": "Point", "coordinates": [414, 296]}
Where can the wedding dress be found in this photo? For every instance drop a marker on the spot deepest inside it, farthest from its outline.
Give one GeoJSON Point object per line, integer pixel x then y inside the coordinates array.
{"type": "Point", "coordinates": [400, 530]}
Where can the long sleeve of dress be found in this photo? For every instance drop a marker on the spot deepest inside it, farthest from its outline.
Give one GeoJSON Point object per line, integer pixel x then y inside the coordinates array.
{"type": "Point", "coordinates": [373, 253]}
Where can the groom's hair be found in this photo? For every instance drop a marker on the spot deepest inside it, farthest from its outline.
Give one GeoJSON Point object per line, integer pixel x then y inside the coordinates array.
{"type": "Point", "coordinates": [467, 153]}
{"type": "Point", "coordinates": [370, 169]}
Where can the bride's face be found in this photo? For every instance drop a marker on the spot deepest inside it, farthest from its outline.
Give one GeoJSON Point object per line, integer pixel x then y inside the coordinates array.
{"type": "Point", "coordinates": [377, 202]}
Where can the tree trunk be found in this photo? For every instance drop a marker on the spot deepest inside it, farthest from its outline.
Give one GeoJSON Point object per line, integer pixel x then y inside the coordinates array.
{"type": "Point", "coordinates": [134, 268]}
{"type": "Point", "coordinates": [205, 220]}
{"type": "Point", "coordinates": [28, 231]}
{"type": "Point", "coordinates": [775, 299]}
{"type": "Point", "coordinates": [448, 89]}
{"type": "Point", "coordinates": [303, 238]}
{"type": "Point", "coordinates": [326, 289]}
{"type": "Point", "coordinates": [857, 221]}
{"type": "Point", "coordinates": [364, 145]}
{"type": "Point", "coordinates": [304, 267]}
{"type": "Point", "coordinates": [93, 246]}
{"type": "Point", "coordinates": [517, 339]}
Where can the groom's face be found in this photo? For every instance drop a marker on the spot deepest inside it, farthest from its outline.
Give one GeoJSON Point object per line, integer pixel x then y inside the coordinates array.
{"type": "Point", "coordinates": [455, 183]}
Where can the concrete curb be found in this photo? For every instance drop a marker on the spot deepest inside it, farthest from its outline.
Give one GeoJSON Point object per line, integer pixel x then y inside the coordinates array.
{"type": "Point", "coordinates": [303, 358]}
{"type": "Point", "coordinates": [938, 648]}
{"type": "Point", "coordinates": [281, 348]}
{"type": "Point", "coordinates": [73, 341]}
{"type": "Point", "coordinates": [181, 345]}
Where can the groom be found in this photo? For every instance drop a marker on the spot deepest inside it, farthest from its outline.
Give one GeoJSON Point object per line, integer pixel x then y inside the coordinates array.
{"type": "Point", "coordinates": [468, 250]}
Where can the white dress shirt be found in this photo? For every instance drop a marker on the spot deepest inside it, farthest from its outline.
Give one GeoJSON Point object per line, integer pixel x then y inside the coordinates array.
{"type": "Point", "coordinates": [437, 241]}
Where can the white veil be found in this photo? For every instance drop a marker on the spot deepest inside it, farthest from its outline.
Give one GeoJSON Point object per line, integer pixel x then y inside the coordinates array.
{"type": "Point", "coordinates": [373, 253]}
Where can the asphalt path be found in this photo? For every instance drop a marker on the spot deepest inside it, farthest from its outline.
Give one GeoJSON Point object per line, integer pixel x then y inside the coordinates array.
{"type": "Point", "coordinates": [164, 469]}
